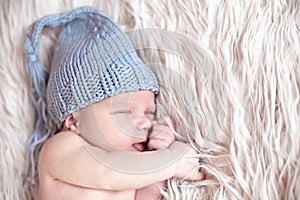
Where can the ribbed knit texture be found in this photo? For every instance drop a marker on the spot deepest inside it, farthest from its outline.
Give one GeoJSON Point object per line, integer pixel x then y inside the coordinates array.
{"type": "Point", "coordinates": [93, 60]}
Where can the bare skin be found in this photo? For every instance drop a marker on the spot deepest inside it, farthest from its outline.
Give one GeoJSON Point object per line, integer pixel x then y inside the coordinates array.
{"type": "Point", "coordinates": [68, 171]}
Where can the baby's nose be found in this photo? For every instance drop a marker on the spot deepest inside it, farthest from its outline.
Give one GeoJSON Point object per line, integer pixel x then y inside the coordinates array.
{"type": "Point", "coordinates": [141, 121]}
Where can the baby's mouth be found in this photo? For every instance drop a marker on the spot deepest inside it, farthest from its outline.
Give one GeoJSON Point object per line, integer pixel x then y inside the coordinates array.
{"type": "Point", "coordinates": [142, 146]}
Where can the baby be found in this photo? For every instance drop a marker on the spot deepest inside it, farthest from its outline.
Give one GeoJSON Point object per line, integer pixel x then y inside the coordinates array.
{"type": "Point", "coordinates": [102, 97]}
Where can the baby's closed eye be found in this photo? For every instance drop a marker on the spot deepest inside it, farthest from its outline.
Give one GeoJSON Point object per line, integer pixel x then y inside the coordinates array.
{"type": "Point", "coordinates": [150, 114]}
{"type": "Point", "coordinates": [121, 112]}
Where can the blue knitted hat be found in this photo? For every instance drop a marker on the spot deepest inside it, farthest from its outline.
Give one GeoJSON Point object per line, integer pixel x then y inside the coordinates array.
{"type": "Point", "coordinates": [93, 60]}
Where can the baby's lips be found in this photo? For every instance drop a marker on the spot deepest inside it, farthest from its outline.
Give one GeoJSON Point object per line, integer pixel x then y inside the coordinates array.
{"type": "Point", "coordinates": [139, 147]}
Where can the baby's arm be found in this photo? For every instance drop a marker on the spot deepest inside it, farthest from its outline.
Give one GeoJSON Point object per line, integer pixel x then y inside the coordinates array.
{"type": "Point", "coordinates": [161, 137]}
{"type": "Point", "coordinates": [65, 158]}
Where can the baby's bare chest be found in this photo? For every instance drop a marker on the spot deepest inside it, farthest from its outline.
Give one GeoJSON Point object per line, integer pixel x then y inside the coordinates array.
{"type": "Point", "coordinates": [55, 189]}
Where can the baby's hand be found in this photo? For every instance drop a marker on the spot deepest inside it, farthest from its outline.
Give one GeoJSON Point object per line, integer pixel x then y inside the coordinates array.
{"type": "Point", "coordinates": [162, 135]}
{"type": "Point", "coordinates": [187, 167]}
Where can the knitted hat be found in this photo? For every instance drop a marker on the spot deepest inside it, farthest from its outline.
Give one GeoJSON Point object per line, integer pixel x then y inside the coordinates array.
{"type": "Point", "coordinates": [93, 60]}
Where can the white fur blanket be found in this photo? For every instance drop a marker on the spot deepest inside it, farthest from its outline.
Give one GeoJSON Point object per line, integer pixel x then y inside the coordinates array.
{"type": "Point", "coordinates": [230, 77]}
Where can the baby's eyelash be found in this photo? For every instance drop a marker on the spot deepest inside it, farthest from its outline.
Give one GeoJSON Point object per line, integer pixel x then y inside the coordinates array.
{"type": "Point", "coordinates": [122, 112]}
{"type": "Point", "coordinates": [129, 112]}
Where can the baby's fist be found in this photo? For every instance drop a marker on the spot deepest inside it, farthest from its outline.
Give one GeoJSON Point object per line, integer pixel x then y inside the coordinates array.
{"type": "Point", "coordinates": [162, 135]}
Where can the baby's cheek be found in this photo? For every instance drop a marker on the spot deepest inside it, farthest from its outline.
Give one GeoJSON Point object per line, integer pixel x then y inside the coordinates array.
{"type": "Point", "coordinates": [127, 125]}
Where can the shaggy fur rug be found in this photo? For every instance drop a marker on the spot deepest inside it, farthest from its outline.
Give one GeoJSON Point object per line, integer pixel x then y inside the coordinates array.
{"type": "Point", "coordinates": [230, 77]}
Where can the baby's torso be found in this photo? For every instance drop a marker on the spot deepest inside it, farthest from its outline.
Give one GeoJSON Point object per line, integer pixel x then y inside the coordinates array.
{"type": "Point", "coordinates": [55, 189]}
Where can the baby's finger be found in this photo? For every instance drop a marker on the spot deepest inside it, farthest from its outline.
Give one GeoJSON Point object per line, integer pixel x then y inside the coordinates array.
{"type": "Point", "coordinates": [166, 120]}
{"type": "Point", "coordinates": [196, 176]}
{"type": "Point", "coordinates": [162, 132]}
{"type": "Point", "coordinates": [158, 144]}
{"type": "Point", "coordinates": [154, 123]}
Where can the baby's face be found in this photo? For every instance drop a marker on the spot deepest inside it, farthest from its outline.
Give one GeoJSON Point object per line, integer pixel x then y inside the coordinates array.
{"type": "Point", "coordinates": [125, 119]}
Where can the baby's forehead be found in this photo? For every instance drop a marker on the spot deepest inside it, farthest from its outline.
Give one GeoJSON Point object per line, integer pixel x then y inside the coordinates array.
{"type": "Point", "coordinates": [130, 100]}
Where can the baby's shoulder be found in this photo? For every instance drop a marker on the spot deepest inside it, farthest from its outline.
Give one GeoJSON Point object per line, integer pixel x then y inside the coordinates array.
{"type": "Point", "coordinates": [56, 153]}
{"type": "Point", "coordinates": [63, 138]}
{"type": "Point", "coordinates": [61, 142]}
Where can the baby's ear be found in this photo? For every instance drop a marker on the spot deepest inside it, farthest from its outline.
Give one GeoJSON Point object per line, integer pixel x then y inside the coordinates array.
{"type": "Point", "coordinates": [71, 123]}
